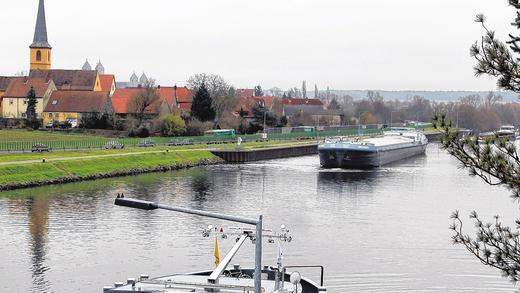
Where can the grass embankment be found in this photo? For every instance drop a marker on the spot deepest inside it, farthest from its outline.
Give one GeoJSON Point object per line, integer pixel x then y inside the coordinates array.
{"type": "Point", "coordinates": [16, 157]}
{"type": "Point", "coordinates": [35, 174]}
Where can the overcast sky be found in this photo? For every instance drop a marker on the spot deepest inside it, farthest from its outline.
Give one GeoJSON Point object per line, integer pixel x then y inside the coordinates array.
{"type": "Point", "coordinates": [344, 44]}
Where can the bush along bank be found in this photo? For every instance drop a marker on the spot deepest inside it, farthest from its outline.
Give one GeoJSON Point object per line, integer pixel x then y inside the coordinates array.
{"type": "Point", "coordinates": [59, 172]}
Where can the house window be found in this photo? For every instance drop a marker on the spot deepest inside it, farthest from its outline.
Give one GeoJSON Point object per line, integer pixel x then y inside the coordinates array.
{"type": "Point", "coordinates": [49, 56]}
{"type": "Point", "coordinates": [57, 115]}
{"type": "Point", "coordinates": [11, 101]}
{"type": "Point", "coordinates": [38, 55]}
{"type": "Point", "coordinates": [54, 102]}
{"type": "Point", "coordinates": [23, 115]}
{"type": "Point", "coordinates": [50, 115]}
{"type": "Point", "coordinates": [25, 102]}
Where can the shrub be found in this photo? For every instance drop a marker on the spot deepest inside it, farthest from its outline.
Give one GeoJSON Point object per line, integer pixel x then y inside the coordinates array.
{"type": "Point", "coordinates": [33, 123]}
{"type": "Point", "coordinates": [142, 132]}
{"type": "Point", "coordinates": [196, 127]}
{"type": "Point", "coordinates": [172, 125]}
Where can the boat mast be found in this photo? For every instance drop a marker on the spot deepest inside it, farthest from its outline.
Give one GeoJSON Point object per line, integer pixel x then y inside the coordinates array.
{"type": "Point", "coordinates": [147, 205]}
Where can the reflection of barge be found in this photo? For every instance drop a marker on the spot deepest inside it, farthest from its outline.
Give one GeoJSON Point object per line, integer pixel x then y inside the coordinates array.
{"type": "Point", "coordinates": [396, 144]}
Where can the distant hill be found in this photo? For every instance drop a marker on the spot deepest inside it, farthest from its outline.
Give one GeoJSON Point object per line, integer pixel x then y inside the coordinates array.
{"type": "Point", "coordinates": [445, 96]}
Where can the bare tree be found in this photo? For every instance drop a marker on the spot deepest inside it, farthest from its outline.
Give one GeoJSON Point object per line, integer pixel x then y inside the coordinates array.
{"type": "Point", "coordinates": [139, 104]}
{"type": "Point", "coordinates": [222, 94]}
{"type": "Point", "coordinates": [491, 100]}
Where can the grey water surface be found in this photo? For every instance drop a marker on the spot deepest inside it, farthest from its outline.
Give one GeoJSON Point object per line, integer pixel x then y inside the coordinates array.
{"type": "Point", "coordinates": [384, 230]}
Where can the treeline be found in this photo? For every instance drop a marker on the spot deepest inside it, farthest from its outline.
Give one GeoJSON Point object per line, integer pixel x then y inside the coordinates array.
{"type": "Point", "coordinates": [472, 112]}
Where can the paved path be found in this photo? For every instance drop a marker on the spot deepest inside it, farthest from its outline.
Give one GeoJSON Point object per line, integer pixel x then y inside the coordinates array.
{"type": "Point", "coordinates": [91, 157]}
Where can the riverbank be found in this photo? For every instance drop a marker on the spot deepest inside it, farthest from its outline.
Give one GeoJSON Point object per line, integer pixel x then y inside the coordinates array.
{"type": "Point", "coordinates": [20, 176]}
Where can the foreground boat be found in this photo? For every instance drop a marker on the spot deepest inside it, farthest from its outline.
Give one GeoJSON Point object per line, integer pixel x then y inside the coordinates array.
{"type": "Point", "coordinates": [394, 145]}
{"type": "Point", "coordinates": [221, 279]}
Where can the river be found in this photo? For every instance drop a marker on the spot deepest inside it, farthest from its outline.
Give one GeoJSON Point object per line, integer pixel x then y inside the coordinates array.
{"type": "Point", "coordinates": [384, 230]}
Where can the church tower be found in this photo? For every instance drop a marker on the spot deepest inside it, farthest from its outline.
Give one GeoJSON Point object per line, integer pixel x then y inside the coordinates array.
{"type": "Point", "coordinates": [40, 48]}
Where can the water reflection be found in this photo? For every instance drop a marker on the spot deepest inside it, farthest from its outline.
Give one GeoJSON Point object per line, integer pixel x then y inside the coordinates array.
{"type": "Point", "coordinates": [201, 185]}
{"type": "Point", "coordinates": [381, 230]}
{"type": "Point", "coordinates": [341, 178]}
{"type": "Point", "coordinates": [38, 210]}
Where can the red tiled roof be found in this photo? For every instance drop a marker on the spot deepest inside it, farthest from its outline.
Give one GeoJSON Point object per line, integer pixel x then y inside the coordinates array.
{"type": "Point", "coordinates": [184, 95]}
{"type": "Point", "coordinates": [247, 103]}
{"type": "Point", "coordinates": [76, 102]}
{"type": "Point", "coordinates": [4, 82]}
{"type": "Point", "coordinates": [122, 96]}
{"type": "Point", "coordinates": [303, 102]}
{"type": "Point", "coordinates": [106, 81]}
{"type": "Point", "coordinates": [167, 94]}
{"type": "Point", "coordinates": [244, 93]}
{"type": "Point", "coordinates": [20, 86]}
{"type": "Point", "coordinates": [185, 106]}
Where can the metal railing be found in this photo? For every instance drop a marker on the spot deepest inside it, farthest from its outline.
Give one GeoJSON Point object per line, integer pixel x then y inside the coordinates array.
{"type": "Point", "coordinates": [93, 143]}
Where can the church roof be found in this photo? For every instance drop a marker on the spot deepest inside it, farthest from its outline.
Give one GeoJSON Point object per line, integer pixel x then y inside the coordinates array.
{"type": "Point", "coordinates": [82, 80]}
{"type": "Point", "coordinates": [86, 66]}
{"type": "Point", "coordinates": [40, 33]}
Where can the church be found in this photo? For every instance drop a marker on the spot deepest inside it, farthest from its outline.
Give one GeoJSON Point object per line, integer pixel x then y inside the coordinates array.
{"type": "Point", "coordinates": [64, 95]}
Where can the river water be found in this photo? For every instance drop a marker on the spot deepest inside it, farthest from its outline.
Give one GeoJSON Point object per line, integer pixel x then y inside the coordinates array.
{"type": "Point", "coordinates": [374, 231]}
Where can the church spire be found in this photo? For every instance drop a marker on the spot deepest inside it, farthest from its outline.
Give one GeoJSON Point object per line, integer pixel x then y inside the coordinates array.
{"type": "Point", "coordinates": [40, 33]}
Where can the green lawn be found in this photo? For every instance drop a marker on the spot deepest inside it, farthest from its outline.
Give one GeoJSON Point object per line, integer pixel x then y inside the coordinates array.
{"type": "Point", "coordinates": [35, 136]}
{"type": "Point", "coordinates": [37, 172]}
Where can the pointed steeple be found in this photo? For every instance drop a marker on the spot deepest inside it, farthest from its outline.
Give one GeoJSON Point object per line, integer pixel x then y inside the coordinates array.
{"type": "Point", "coordinates": [143, 80]}
{"type": "Point", "coordinates": [100, 68]}
{"type": "Point", "coordinates": [134, 80]}
{"type": "Point", "coordinates": [40, 33]}
{"type": "Point", "coordinates": [86, 66]}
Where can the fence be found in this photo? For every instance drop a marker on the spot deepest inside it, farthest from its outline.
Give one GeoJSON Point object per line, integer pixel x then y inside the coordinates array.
{"type": "Point", "coordinates": [100, 143]}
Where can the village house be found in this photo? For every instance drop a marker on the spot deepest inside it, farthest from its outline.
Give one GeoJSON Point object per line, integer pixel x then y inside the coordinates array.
{"type": "Point", "coordinates": [72, 105]}
{"type": "Point", "coordinates": [14, 102]}
{"type": "Point", "coordinates": [245, 105]}
{"type": "Point", "coordinates": [171, 100]}
{"type": "Point", "coordinates": [313, 108]}
{"type": "Point", "coordinates": [294, 105]}
{"type": "Point", "coordinates": [4, 82]}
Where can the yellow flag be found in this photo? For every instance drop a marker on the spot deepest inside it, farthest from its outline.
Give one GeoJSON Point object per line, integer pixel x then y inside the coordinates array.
{"type": "Point", "coordinates": [216, 253]}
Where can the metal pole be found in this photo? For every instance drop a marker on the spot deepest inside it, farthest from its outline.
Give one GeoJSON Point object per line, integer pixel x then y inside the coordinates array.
{"type": "Point", "coordinates": [359, 124]}
{"type": "Point", "coordinates": [258, 256]}
{"type": "Point", "coordinates": [147, 205]}
{"type": "Point", "coordinates": [208, 214]}
{"type": "Point", "coordinates": [265, 113]}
